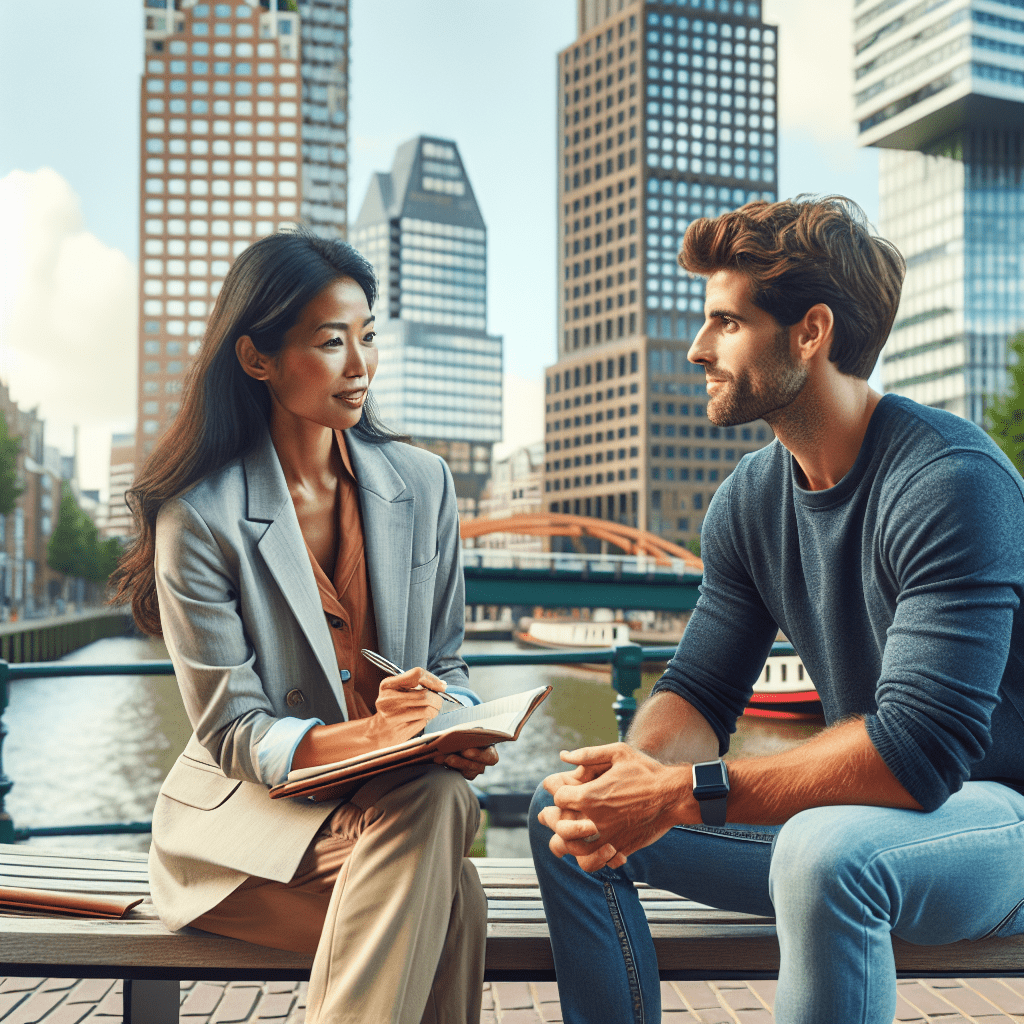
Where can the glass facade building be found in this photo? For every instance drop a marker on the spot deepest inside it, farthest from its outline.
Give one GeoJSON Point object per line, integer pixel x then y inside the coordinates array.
{"type": "Point", "coordinates": [667, 112]}
{"type": "Point", "coordinates": [440, 373]}
{"type": "Point", "coordinates": [243, 133]}
{"type": "Point", "coordinates": [324, 70]}
{"type": "Point", "coordinates": [940, 89]}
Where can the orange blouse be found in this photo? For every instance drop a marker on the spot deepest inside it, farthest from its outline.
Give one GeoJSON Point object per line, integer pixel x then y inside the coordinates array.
{"type": "Point", "coordinates": [346, 599]}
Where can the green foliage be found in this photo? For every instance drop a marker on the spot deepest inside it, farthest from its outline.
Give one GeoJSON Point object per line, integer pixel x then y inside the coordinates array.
{"type": "Point", "coordinates": [108, 554]}
{"type": "Point", "coordinates": [75, 548]}
{"type": "Point", "coordinates": [64, 553]}
{"type": "Point", "coordinates": [10, 489]}
{"type": "Point", "coordinates": [1006, 413]}
{"type": "Point", "coordinates": [694, 546]}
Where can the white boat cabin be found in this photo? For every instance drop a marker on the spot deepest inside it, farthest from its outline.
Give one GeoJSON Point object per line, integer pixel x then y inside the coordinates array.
{"type": "Point", "coordinates": [783, 673]}
{"type": "Point", "coordinates": [580, 634]}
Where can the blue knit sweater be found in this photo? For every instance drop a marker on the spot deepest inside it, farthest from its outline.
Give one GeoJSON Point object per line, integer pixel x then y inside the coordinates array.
{"type": "Point", "coordinates": [900, 589]}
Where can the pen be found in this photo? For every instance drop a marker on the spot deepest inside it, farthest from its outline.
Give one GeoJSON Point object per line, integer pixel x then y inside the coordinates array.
{"type": "Point", "coordinates": [392, 669]}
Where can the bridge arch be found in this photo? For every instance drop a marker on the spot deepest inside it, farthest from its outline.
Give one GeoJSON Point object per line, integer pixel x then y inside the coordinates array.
{"type": "Point", "coordinates": [554, 524]}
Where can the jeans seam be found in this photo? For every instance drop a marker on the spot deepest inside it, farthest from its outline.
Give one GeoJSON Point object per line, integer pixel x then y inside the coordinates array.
{"type": "Point", "coordinates": [626, 947]}
{"type": "Point", "coordinates": [946, 836]}
{"type": "Point", "coordinates": [995, 930]}
{"type": "Point", "coordinates": [737, 834]}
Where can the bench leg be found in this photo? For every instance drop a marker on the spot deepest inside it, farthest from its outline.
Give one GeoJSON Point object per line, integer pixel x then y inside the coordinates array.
{"type": "Point", "coordinates": [151, 1002]}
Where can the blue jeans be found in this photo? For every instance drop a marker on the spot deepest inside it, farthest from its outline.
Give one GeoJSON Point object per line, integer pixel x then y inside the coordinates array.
{"type": "Point", "coordinates": [838, 880]}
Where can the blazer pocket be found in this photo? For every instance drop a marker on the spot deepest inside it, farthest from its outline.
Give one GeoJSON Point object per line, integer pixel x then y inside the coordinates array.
{"type": "Point", "coordinates": [196, 786]}
{"type": "Point", "coordinates": [423, 573]}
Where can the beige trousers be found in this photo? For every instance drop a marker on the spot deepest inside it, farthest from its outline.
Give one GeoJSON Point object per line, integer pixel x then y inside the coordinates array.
{"type": "Point", "coordinates": [385, 898]}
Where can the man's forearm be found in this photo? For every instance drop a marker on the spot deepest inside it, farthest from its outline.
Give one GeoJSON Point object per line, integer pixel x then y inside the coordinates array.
{"type": "Point", "coordinates": [838, 766]}
{"type": "Point", "coordinates": [672, 731]}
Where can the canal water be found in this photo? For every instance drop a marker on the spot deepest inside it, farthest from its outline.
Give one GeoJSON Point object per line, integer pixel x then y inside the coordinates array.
{"type": "Point", "coordinates": [92, 750]}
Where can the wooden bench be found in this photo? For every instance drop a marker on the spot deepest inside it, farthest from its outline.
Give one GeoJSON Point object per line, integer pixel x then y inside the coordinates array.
{"type": "Point", "coordinates": [692, 941]}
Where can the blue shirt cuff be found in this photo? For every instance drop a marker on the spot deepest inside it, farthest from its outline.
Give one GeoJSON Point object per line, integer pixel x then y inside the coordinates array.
{"type": "Point", "coordinates": [275, 751]}
{"type": "Point", "coordinates": [464, 695]}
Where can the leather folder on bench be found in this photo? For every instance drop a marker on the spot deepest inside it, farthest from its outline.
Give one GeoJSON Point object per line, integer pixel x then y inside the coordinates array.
{"type": "Point", "coordinates": [76, 904]}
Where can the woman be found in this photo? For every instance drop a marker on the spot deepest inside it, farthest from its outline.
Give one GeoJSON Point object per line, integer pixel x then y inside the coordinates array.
{"type": "Point", "coordinates": [280, 530]}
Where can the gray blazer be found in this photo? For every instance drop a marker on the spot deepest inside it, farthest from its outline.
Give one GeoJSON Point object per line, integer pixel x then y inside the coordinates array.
{"type": "Point", "coordinates": [244, 626]}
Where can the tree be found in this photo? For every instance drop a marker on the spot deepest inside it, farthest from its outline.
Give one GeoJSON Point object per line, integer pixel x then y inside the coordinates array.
{"type": "Point", "coordinates": [694, 545]}
{"type": "Point", "coordinates": [108, 555]}
{"type": "Point", "coordinates": [75, 548]}
{"type": "Point", "coordinates": [1006, 413]}
{"type": "Point", "coordinates": [66, 551]}
{"type": "Point", "coordinates": [10, 488]}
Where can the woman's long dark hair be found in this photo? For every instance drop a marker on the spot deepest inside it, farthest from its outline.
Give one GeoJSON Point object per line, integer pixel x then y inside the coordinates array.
{"type": "Point", "coordinates": [224, 411]}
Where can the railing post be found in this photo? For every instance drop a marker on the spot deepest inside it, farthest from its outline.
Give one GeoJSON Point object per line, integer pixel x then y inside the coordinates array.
{"type": "Point", "coordinates": [6, 824]}
{"type": "Point", "coordinates": [627, 666]}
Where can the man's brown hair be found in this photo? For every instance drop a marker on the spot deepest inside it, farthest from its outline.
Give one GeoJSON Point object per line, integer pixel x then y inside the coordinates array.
{"type": "Point", "coordinates": [803, 251]}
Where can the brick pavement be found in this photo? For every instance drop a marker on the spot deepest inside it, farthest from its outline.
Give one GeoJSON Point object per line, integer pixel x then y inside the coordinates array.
{"type": "Point", "coordinates": [66, 1001]}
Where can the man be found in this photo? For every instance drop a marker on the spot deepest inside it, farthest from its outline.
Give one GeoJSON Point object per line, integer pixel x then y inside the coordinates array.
{"type": "Point", "coordinates": [884, 539]}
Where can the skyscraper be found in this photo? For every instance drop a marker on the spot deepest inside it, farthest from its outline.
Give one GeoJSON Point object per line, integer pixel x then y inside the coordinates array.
{"type": "Point", "coordinates": [666, 113]}
{"type": "Point", "coordinates": [244, 132]}
{"type": "Point", "coordinates": [941, 92]}
{"type": "Point", "coordinates": [439, 378]}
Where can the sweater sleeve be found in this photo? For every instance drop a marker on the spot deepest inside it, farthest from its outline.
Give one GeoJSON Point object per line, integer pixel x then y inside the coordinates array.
{"type": "Point", "coordinates": [952, 542]}
{"type": "Point", "coordinates": [730, 632]}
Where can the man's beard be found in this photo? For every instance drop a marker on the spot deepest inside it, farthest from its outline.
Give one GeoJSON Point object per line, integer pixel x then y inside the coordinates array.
{"type": "Point", "coordinates": [744, 398]}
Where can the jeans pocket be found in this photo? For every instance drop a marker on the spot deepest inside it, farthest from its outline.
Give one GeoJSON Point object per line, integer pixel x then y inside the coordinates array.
{"type": "Point", "coordinates": [1012, 924]}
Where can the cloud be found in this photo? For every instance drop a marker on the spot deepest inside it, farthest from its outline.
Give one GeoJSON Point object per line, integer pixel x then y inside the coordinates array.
{"type": "Point", "coordinates": [815, 65]}
{"type": "Point", "coordinates": [68, 318]}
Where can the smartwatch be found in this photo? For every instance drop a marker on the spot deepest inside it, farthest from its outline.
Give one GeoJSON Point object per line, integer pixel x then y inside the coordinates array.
{"type": "Point", "coordinates": [711, 790]}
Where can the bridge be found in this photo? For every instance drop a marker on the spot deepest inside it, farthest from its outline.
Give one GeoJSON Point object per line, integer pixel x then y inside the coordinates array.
{"type": "Point", "coordinates": [650, 574]}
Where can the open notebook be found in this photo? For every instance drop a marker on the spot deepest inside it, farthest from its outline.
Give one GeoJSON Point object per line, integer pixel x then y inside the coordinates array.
{"type": "Point", "coordinates": [495, 721]}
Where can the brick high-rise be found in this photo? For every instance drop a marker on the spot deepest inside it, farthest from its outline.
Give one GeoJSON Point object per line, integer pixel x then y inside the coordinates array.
{"type": "Point", "coordinates": [666, 113]}
{"type": "Point", "coordinates": [243, 132]}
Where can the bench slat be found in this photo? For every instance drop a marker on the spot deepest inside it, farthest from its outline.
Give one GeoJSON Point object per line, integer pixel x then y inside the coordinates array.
{"type": "Point", "coordinates": [72, 874]}
{"type": "Point", "coordinates": [74, 885]}
{"type": "Point", "coordinates": [114, 856]}
{"type": "Point", "coordinates": [74, 870]}
{"type": "Point", "coordinates": [527, 900]}
{"type": "Point", "coordinates": [506, 914]}
{"type": "Point", "coordinates": [527, 892]}
{"type": "Point", "coordinates": [688, 936]}
{"type": "Point", "coordinates": [85, 868]}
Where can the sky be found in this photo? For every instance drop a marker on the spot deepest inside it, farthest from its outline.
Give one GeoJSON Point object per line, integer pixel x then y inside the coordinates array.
{"type": "Point", "coordinates": [476, 71]}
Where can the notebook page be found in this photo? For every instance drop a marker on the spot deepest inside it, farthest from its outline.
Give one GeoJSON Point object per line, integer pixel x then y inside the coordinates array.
{"type": "Point", "coordinates": [501, 715]}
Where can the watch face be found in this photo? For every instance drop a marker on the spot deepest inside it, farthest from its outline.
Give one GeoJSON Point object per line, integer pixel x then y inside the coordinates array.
{"type": "Point", "coordinates": [710, 774]}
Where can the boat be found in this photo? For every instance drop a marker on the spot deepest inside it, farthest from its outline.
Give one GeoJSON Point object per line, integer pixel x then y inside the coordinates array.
{"type": "Point", "coordinates": [784, 690]}
{"type": "Point", "coordinates": [576, 635]}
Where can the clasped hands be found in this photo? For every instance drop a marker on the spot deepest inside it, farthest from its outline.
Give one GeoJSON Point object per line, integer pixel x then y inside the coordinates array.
{"type": "Point", "coordinates": [619, 799]}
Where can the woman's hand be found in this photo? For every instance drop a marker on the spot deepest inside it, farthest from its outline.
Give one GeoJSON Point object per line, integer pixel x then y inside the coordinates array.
{"type": "Point", "coordinates": [405, 704]}
{"type": "Point", "coordinates": [470, 762]}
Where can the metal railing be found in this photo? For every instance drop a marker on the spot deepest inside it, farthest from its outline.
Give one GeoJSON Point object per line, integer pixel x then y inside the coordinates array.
{"type": "Point", "coordinates": [626, 661]}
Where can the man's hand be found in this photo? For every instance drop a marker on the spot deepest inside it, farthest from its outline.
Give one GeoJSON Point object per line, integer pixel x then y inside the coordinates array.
{"type": "Point", "coordinates": [471, 762]}
{"type": "Point", "coordinates": [617, 797]}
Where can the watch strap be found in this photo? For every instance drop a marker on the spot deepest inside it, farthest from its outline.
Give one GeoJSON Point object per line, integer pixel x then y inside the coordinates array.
{"type": "Point", "coordinates": [712, 811]}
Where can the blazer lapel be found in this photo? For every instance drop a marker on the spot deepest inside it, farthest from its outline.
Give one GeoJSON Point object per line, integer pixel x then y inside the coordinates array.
{"type": "Point", "coordinates": [284, 551]}
{"type": "Point", "coordinates": [388, 511]}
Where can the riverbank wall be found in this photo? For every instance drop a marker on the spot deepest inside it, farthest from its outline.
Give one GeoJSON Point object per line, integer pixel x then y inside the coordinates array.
{"type": "Point", "coordinates": [51, 638]}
